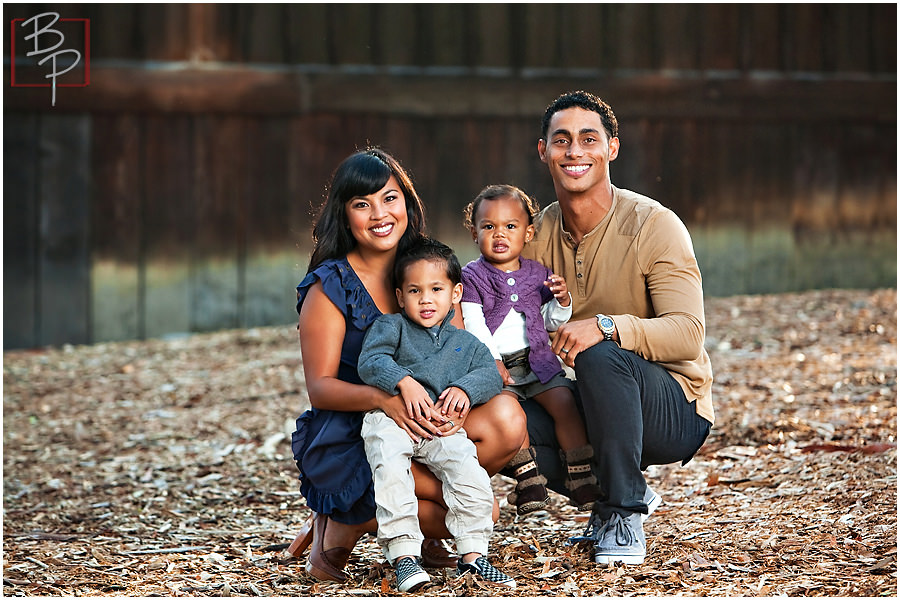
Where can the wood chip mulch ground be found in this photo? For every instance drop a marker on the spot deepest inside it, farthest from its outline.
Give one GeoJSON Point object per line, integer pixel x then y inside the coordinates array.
{"type": "Point", "coordinates": [162, 468]}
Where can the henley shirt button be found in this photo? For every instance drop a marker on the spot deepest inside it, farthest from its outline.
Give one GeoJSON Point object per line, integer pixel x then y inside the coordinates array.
{"type": "Point", "coordinates": [579, 276]}
{"type": "Point", "coordinates": [514, 297]}
{"type": "Point", "coordinates": [511, 281]}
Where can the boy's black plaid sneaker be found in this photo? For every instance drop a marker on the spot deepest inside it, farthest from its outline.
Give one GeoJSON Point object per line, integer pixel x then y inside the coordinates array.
{"type": "Point", "coordinates": [483, 569]}
{"type": "Point", "coordinates": [410, 575]}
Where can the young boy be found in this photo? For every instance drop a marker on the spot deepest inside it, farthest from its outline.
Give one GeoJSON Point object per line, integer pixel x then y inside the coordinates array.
{"type": "Point", "coordinates": [423, 357]}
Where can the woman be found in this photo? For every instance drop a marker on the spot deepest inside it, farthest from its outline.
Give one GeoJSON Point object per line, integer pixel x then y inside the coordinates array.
{"type": "Point", "coordinates": [371, 211]}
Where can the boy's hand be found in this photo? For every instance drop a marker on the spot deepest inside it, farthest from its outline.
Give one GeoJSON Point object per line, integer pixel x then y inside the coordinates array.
{"type": "Point", "coordinates": [418, 403]}
{"type": "Point", "coordinates": [504, 373]}
{"type": "Point", "coordinates": [454, 401]}
{"type": "Point", "coordinates": [557, 285]}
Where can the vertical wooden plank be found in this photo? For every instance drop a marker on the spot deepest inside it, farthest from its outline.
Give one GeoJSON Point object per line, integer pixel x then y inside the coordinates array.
{"type": "Point", "coordinates": [674, 167]}
{"type": "Point", "coordinates": [21, 327]}
{"type": "Point", "coordinates": [815, 199]}
{"type": "Point", "coordinates": [805, 28]}
{"type": "Point", "coordinates": [307, 34]}
{"type": "Point", "coordinates": [765, 177]}
{"type": "Point", "coordinates": [397, 41]}
{"type": "Point", "coordinates": [636, 33]}
{"type": "Point", "coordinates": [351, 27]}
{"type": "Point", "coordinates": [420, 161]}
{"type": "Point", "coordinates": [265, 42]}
{"type": "Point", "coordinates": [65, 214]}
{"type": "Point", "coordinates": [718, 36]}
{"type": "Point", "coordinates": [728, 217]}
{"type": "Point", "coordinates": [493, 35]}
{"type": "Point", "coordinates": [269, 261]}
{"type": "Point", "coordinates": [218, 243]}
{"type": "Point", "coordinates": [523, 167]}
{"type": "Point", "coordinates": [312, 159]}
{"type": "Point", "coordinates": [584, 39]}
{"type": "Point", "coordinates": [451, 37]}
{"type": "Point", "coordinates": [209, 36]}
{"type": "Point", "coordinates": [539, 39]}
{"type": "Point", "coordinates": [164, 31]}
{"type": "Point", "coordinates": [867, 218]}
{"type": "Point", "coordinates": [849, 24]}
{"type": "Point", "coordinates": [372, 130]}
{"type": "Point", "coordinates": [883, 38]}
{"type": "Point", "coordinates": [761, 37]}
{"type": "Point", "coordinates": [114, 31]}
{"type": "Point", "coordinates": [627, 169]}
{"type": "Point", "coordinates": [170, 226]}
{"type": "Point", "coordinates": [450, 157]}
{"type": "Point", "coordinates": [678, 36]}
{"type": "Point", "coordinates": [117, 228]}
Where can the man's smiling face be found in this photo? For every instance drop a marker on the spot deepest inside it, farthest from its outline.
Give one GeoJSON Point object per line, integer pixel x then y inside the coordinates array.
{"type": "Point", "coordinates": [577, 150]}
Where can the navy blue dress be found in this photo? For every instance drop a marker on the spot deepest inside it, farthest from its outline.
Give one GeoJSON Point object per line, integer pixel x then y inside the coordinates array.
{"type": "Point", "coordinates": [335, 477]}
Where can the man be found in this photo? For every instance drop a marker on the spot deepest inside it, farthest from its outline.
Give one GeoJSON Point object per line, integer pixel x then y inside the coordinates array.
{"type": "Point", "coordinates": [635, 338]}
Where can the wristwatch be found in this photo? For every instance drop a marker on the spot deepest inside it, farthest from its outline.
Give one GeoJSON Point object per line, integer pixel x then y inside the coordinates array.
{"type": "Point", "coordinates": [607, 326]}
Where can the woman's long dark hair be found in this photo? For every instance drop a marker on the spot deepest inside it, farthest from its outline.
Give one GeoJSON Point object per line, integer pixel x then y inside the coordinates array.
{"type": "Point", "coordinates": [362, 173]}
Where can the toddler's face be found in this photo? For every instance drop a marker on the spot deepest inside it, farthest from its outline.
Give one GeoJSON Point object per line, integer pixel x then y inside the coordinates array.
{"type": "Point", "coordinates": [427, 294]}
{"type": "Point", "coordinates": [501, 231]}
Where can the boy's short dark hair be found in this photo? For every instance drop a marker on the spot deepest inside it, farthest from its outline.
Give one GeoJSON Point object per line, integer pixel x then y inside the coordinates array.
{"type": "Point", "coordinates": [427, 248]}
{"type": "Point", "coordinates": [587, 101]}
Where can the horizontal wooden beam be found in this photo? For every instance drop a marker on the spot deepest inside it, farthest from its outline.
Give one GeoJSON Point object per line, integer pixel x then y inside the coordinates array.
{"type": "Point", "coordinates": [193, 88]}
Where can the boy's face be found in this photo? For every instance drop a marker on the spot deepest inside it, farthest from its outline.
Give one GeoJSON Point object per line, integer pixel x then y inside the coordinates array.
{"type": "Point", "coordinates": [427, 295]}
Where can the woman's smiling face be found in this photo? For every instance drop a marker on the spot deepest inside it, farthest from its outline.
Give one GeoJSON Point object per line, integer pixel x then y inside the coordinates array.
{"type": "Point", "coordinates": [378, 221]}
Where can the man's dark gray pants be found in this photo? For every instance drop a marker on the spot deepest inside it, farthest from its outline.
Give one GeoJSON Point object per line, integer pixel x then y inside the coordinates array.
{"type": "Point", "coordinates": [636, 415]}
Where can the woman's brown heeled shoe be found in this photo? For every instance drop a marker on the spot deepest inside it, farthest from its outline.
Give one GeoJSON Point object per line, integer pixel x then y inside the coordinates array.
{"type": "Point", "coordinates": [326, 565]}
{"type": "Point", "coordinates": [304, 538]}
{"type": "Point", "coordinates": [436, 556]}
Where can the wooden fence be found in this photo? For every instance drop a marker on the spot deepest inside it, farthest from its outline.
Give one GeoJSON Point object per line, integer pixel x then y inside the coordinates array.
{"type": "Point", "coordinates": [174, 193]}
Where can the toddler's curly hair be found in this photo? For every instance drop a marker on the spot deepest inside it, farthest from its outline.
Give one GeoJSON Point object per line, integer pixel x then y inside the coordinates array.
{"type": "Point", "coordinates": [492, 192]}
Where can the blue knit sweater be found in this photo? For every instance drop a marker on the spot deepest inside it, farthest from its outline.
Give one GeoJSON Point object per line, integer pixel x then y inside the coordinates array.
{"type": "Point", "coordinates": [439, 357]}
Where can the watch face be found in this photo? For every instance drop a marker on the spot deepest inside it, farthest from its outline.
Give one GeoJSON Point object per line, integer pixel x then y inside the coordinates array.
{"type": "Point", "coordinates": [606, 323]}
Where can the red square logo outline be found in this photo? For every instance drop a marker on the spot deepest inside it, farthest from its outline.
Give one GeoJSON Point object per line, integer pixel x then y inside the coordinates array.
{"type": "Point", "coordinates": [87, 56]}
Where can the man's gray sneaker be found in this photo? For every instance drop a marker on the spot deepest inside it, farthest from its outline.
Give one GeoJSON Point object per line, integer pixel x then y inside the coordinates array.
{"type": "Point", "coordinates": [621, 540]}
{"type": "Point", "coordinates": [596, 525]}
{"type": "Point", "coordinates": [410, 575]}
{"type": "Point", "coordinates": [652, 500]}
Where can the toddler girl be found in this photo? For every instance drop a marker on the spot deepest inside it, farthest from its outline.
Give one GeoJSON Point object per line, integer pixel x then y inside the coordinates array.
{"type": "Point", "coordinates": [510, 303]}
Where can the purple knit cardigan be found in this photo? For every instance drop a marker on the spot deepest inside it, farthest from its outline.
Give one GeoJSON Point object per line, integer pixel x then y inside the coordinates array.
{"type": "Point", "coordinates": [523, 290]}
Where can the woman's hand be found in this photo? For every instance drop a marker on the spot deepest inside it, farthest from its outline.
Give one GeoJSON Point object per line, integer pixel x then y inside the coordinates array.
{"type": "Point", "coordinates": [424, 423]}
{"type": "Point", "coordinates": [453, 421]}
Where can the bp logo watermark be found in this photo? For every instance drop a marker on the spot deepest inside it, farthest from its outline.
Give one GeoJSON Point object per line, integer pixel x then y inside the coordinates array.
{"type": "Point", "coordinates": [48, 51]}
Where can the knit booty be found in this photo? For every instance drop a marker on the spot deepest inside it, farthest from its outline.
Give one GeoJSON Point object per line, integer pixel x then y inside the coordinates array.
{"type": "Point", "coordinates": [531, 492]}
{"type": "Point", "coordinates": [580, 481]}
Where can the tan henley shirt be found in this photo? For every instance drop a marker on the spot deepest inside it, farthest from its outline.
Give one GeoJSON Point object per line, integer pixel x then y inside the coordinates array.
{"type": "Point", "coordinates": [637, 266]}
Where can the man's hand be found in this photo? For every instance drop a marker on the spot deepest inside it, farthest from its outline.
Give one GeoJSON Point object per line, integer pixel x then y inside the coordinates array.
{"type": "Point", "coordinates": [504, 373]}
{"type": "Point", "coordinates": [574, 337]}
